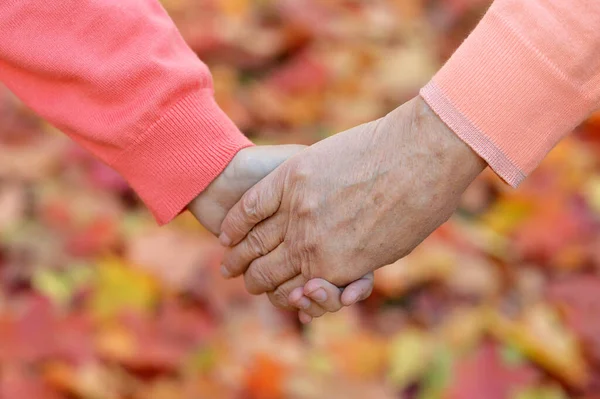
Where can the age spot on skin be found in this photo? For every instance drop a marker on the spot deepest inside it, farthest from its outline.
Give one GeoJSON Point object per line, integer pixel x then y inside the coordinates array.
{"type": "Point", "coordinates": [378, 199]}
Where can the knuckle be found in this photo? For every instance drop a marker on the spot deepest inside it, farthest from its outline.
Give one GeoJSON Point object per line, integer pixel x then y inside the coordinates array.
{"type": "Point", "coordinates": [305, 249]}
{"type": "Point", "coordinates": [256, 243]}
{"type": "Point", "coordinates": [250, 204]}
{"type": "Point", "coordinates": [301, 172]}
{"type": "Point", "coordinates": [308, 257]}
{"type": "Point", "coordinates": [299, 254]}
{"type": "Point", "coordinates": [308, 208]}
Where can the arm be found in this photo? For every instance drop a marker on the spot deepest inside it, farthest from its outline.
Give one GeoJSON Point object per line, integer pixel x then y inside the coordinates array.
{"type": "Point", "coordinates": [118, 78]}
{"type": "Point", "coordinates": [525, 77]}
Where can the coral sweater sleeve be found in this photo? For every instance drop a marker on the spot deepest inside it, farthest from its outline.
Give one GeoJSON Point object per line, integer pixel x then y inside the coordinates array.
{"type": "Point", "coordinates": [526, 76]}
{"type": "Point", "coordinates": [117, 77]}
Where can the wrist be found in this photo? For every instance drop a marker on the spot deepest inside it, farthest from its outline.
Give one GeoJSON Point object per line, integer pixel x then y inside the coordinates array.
{"type": "Point", "coordinates": [459, 160]}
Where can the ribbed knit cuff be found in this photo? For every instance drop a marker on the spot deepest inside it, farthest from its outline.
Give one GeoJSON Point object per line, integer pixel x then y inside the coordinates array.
{"type": "Point", "coordinates": [505, 99]}
{"type": "Point", "coordinates": [180, 155]}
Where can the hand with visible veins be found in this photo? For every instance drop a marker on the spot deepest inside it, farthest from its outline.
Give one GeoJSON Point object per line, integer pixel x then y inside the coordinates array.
{"type": "Point", "coordinates": [352, 203]}
{"type": "Point", "coordinates": [246, 169]}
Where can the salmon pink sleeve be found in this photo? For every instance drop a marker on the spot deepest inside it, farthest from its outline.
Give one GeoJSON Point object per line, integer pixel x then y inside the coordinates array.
{"type": "Point", "coordinates": [526, 76]}
{"type": "Point", "coordinates": [117, 77]}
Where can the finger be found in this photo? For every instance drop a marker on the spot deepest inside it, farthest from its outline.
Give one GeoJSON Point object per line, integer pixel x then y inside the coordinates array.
{"type": "Point", "coordinates": [280, 297]}
{"type": "Point", "coordinates": [256, 205]}
{"type": "Point", "coordinates": [269, 272]}
{"type": "Point", "coordinates": [320, 296]}
{"type": "Point", "coordinates": [309, 307]}
{"type": "Point", "coordinates": [314, 309]}
{"type": "Point", "coordinates": [359, 290]}
{"type": "Point", "coordinates": [261, 240]}
{"type": "Point", "coordinates": [327, 295]}
{"type": "Point", "coordinates": [304, 318]}
{"type": "Point", "coordinates": [249, 166]}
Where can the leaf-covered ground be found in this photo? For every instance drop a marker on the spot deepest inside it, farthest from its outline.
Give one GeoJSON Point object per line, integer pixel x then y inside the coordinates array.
{"type": "Point", "coordinates": [97, 302]}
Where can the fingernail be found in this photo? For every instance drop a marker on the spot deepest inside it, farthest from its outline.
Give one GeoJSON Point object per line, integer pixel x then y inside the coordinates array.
{"type": "Point", "coordinates": [352, 297]}
{"type": "Point", "coordinates": [225, 240]}
{"type": "Point", "coordinates": [319, 295]}
{"type": "Point", "coordinates": [224, 272]}
{"type": "Point", "coordinates": [303, 303]}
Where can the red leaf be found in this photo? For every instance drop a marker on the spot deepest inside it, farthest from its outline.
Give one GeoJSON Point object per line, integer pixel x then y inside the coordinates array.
{"type": "Point", "coordinates": [28, 337]}
{"type": "Point", "coordinates": [93, 239]}
{"type": "Point", "coordinates": [484, 375]}
{"type": "Point", "coordinates": [555, 225]}
{"type": "Point", "coordinates": [17, 384]}
{"type": "Point", "coordinates": [579, 299]}
{"type": "Point", "coordinates": [38, 334]}
{"type": "Point", "coordinates": [161, 344]}
{"type": "Point", "coordinates": [301, 74]}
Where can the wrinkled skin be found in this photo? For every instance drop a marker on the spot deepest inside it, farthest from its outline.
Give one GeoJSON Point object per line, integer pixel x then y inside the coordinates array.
{"type": "Point", "coordinates": [247, 168]}
{"type": "Point", "coordinates": [348, 205]}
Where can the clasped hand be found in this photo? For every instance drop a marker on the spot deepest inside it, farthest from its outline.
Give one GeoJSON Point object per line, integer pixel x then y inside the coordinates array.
{"type": "Point", "coordinates": [346, 206]}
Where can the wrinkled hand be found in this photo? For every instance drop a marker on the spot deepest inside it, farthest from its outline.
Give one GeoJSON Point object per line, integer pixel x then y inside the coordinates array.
{"type": "Point", "coordinates": [246, 169]}
{"type": "Point", "coordinates": [350, 204]}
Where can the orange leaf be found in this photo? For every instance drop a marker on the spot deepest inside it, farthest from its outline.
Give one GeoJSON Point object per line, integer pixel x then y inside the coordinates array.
{"type": "Point", "coordinates": [265, 378]}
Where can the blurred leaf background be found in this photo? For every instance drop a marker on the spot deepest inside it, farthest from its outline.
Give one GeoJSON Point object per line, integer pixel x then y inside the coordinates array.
{"type": "Point", "coordinates": [97, 302]}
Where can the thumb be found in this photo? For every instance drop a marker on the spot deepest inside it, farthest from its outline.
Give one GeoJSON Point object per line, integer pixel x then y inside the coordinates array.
{"type": "Point", "coordinates": [258, 203]}
{"type": "Point", "coordinates": [359, 290]}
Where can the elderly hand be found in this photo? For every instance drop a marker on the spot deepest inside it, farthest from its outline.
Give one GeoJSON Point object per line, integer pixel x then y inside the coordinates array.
{"type": "Point", "coordinates": [247, 168]}
{"type": "Point", "coordinates": [350, 204]}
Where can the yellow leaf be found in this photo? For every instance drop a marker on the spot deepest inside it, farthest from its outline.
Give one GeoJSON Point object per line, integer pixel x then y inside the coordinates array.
{"type": "Point", "coordinates": [60, 286]}
{"type": "Point", "coordinates": [410, 355]}
{"type": "Point", "coordinates": [234, 8]}
{"type": "Point", "coordinates": [592, 193]}
{"type": "Point", "coordinates": [429, 262]}
{"type": "Point", "coordinates": [463, 329]}
{"type": "Point", "coordinates": [365, 360]}
{"type": "Point", "coordinates": [120, 287]}
{"type": "Point", "coordinates": [507, 213]}
{"type": "Point", "coordinates": [541, 393]}
{"type": "Point", "coordinates": [540, 335]}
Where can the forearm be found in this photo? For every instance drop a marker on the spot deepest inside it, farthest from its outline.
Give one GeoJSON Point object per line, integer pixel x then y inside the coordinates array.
{"type": "Point", "coordinates": [527, 76]}
{"type": "Point", "coordinates": [119, 79]}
